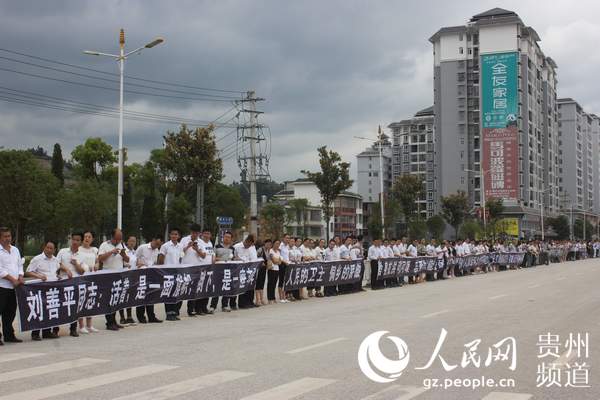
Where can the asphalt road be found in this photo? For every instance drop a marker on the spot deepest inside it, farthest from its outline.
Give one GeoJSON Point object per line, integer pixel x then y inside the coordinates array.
{"type": "Point", "coordinates": [308, 349]}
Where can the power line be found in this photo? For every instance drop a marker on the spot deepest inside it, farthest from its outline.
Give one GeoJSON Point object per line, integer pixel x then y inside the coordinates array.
{"type": "Point", "coordinates": [106, 88]}
{"type": "Point", "coordinates": [115, 81]}
{"type": "Point", "coordinates": [115, 74]}
{"type": "Point", "coordinates": [94, 107]}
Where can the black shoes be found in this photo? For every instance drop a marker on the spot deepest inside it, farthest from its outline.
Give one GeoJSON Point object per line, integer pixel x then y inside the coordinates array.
{"type": "Point", "coordinates": [172, 318]}
{"type": "Point", "coordinates": [112, 327]}
{"type": "Point", "coordinates": [142, 320]}
{"type": "Point", "coordinates": [13, 340]}
{"type": "Point", "coordinates": [155, 321]}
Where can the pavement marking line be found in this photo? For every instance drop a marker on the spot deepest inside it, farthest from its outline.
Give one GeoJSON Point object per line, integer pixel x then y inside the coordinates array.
{"type": "Point", "coordinates": [316, 345]}
{"type": "Point", "coordinates": [292, 389]}
{"type": "Point", "coordinates": [49, 368]}
{"type": "Point", "coordinates": [498, 296]}
{"type": "Point", "coordinates": [507, 396]}
{"type": "Point", "coordinates": [433, 314]}
{"type": "Point", "coordinates": [18, 356]}
{"type": "Point", "coordinates": [561, 278]}
{"type": "Point", "coordinates": [564, 359]}
{"type": "Point", "coordinates": [534, 286]}
{"type": "Point", "coordinates": [88, 382]}
{"type": "Point", "coordinates": [408, 392]}
{"type": "Point", "coordinates": [187, 386]}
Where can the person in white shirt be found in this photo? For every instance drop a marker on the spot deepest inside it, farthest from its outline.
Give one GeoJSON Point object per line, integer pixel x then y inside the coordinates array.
{"type": "Point", "coordinates": [130, 249]}
{"type": "Point", "coordinates": [170, 254]}
{"type": "Point", "coordinates": [356, 253]}
{"type": "Point", "coordinates": [412, 251]}
{"type": "Point", "coordinates": [334, 254]}
{"type": "Point", "coordinates": [11, 276]}
{"type": "Point", "coordinates": [194, 253]}
{"type": "Point", "coordinates": [44, 267]}
{"type": "Point", "coordinates": [206, 256]}
{"type": "Point", "coordinates": [273, 262]}
{"type": "Point", "coordinates": [146, 256]}
{"type": "Point", "coordinates": [89, 259]}
{"type": "Point", "coordinates": [246, 251]}
{"type": "Point", "coordinates": [72, 264]}
{"type": "Point", "coordinates": [224, 253]}
{"type": "Point", "coordinates": [112, 256]}
{"type": "Point", "coordinates": [374, 254]}
{"type": "Point", "coordinates": [284, 250]}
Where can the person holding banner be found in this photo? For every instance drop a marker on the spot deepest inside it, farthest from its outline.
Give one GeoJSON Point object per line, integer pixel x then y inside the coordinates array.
{"type": "Point", "coordinates": [113, 256]}
{"type": "Point", "coordinates": [224, 253]}
{"type": "Point", "coordinates": [284, 248]}
{"type": "Point", "coordinates": [261, 277]}
{"type": "Point", "coordinates": [71, 264]}
{"type": "Point", "coordinates": [170, 254]}
{"type": "Point", "coordinates": [130, 249]}
{"type": "Point", "coordinates": [44, 267]}
{"type": "Point", "coordinates": [146, 256]}
{"type": "Point", "coordinates": [411, 251]}
{"type": "Point", "coordinates": [246, 251]}
{"type": "Point", "coordinates": [198, 250]}
{"type": "Point", "coordinates": [89, 258]}
{"type": "Point", "coordinates": [374, 255]}
{"type": "Point", "coordinates": [11, 276]}
{"type": "Point", "coordinates": [332, 253]}
{"type": "Point", "coordinates": [273, 263]}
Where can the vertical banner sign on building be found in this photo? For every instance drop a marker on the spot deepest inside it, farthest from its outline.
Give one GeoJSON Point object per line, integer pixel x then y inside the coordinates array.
{"type": "Point", "coordinates": [500, 132]}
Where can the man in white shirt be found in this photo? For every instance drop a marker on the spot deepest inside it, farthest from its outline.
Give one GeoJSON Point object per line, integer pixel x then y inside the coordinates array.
{"type": "Point", "coordinates": [246, 251]}
{"type": "Point", "coordinates": [130, 249]}
{"type": "Point", "coordinates": [224, 253]}
{"type": "Point", "coordinates": [284, 251]}
{"type": "Point", "coordinates": [11, 276]}
{"type": "Point", "coordinates": [71, 264]}
{"type": "Point", "coordinates": [146, 256]}
{"type": "Point", "coordinates": [356, 253]}
{"type": "Point", "coordinates": [193, 254]}
{"type": "Point", "coordinates": [170, 254]}
{"type": "Point", "coordinates": [44, 267]}
{"type": "Point", "coordinates": [374, 255]}
{"type": "Point", "coordinates": [205, 254]}
{"type": "Point", "coordinates": [112, 256]}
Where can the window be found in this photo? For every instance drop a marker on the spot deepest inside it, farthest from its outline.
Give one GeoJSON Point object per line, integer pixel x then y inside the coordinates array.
{"type": "Point", "coordinates": [460, 36]}
{"type": "Point", "coordinates": [460, 50]}
{"type": "Point", "coordinates": [462, 180]}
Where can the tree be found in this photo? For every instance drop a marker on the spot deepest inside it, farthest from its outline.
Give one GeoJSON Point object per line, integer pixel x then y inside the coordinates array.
{"type": "Point", "coordinates": [495, 208]}
{"type": "Point", "coordinates": [578, 229]}
{"type": "Point", "coordinates": [58, 164]}
{"type": "Point", "coordinates": [417, 229]}
{"type": "Point", "coordinates": [455, 208]}
{"type": "Point", "coordinates": [191, 157]}
{"type": "Point", "coordinates": [263, 188]}
{"type": "Point", "coordinates": [297, 213]}
{"type": "Point", "coordinates": [225, 201]}
{"type": "Point", "coordinates": [407, 190]}
{"type": "Point", "coordinates": [436, 226]}
{"type": "Point", "coordinates": [331, 181]}
{"type": "Point", "coordinates": [28, 191]}
{"type": "Point", "coordinates": [470, 229]}
{"type": "Point", "coordinates": [392, 212]}
{"type": "Point", "coordinates": [93, 155]}
{"type": "Point", "coordinates": [272, 220]}
{"type": "Point", "coordinates": [561, 226]}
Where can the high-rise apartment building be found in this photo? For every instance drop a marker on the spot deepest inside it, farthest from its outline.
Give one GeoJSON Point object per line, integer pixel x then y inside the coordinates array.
{"type": "Point", "coordinates": [496, 116]}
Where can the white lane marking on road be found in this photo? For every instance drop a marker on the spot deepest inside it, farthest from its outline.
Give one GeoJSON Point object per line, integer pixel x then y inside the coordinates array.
{"type": "Point", "coordinates": [507, 396]}
{"type": "Point", "coordinates": [187, 386]}
{"type": "Point", "coordinates": [18, 356]}
{"type": "Point", "coordinates": [433, 314]}
{"type": "Point", "coordinates": [561, 278]}
{"type": "Point", "coordinates": [408, 392]}
{"type": "Point", "coordinates": [88, 382]}
{"type": "Point", "coordinates": [316, 345]}
{"type": "Point", "coordinates": [564, 359]}
{"type": "Point", "coordinates": [578, 273]}
{"type": "Point", "coordinates": [49, 368]}
{"type": "Point", "coordinates": [498, 296]}
{"type": "Point", "coordinates": [534, 286]}
{"type": "Point", "coordinates": [290, 390]}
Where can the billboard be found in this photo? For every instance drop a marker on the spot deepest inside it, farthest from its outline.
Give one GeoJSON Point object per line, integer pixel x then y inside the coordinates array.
{"type": "Point", "coordinates": [499, 115]}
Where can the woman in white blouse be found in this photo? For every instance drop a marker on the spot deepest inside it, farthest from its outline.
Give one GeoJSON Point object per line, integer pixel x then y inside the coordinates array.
{"type": "Point", "coordinates": [273, 262]}
{"type": "Point", "coordinates": [89, 261]}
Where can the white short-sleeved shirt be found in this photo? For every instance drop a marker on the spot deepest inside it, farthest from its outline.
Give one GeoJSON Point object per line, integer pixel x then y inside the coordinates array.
{"type": "Point", "coordinates": [274, 254]}
{"type": "Point", "coordinates": [146, 255]}
{"type": "Point", "coordinates": [284, 249]}
{"type": "Point", "coordinates": [344, 252]}
{"type": "Point", "coordinates": [88, 257]}
{"type": "Point", "coordinates": [173, 253]}
{"type": "Point", "coordinates": [132, 254]}
{"type": "Point", "coordinates": [355, 253]}
{"type": "Point", "coordinates": [64, 257]}
{"type": "Point", "coordinates": [209, 249]}
{"type": "Point", "coordinates": [10, 264]}
{"type": "Point", "coordinates": [412, 251]}
{"type": "Point", "coordinates": [114, 261]}
{"type": "Point", "coordinates": [190, 256]}
{"type": "Point", "coordinates": [332, 255]}
{"type": "Point", "coordinates": [245, 254]}
{"type": "Point", "coordinates": [42, 264]}
{"type": "Point", "coordinates": [319, 253]}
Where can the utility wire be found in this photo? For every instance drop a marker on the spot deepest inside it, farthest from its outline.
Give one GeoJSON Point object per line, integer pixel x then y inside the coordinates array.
{"type": "Point", "coordinates": [115, 74]}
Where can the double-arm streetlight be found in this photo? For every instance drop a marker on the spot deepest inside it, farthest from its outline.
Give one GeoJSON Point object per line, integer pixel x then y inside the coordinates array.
{"type": "Point", "coordinates": [379, 141]}
{"type": "Point", "coordinates": [120, 58]}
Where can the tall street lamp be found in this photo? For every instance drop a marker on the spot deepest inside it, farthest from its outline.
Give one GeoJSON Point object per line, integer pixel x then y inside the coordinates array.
{"type": "Point", "coordinates": [379, 141]}
{"type": "Point", "coordinates": [120, 58]}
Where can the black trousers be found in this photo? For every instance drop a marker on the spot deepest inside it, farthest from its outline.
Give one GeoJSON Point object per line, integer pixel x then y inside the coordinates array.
{"type": "Point", "coordinates": [331, 291]}
{"type": "Point", "coordinates": [357, 287]}
{"type": "Point", "coordinates": [142, 311]}
{"type": "Point", "coordinates": [247, 299]}
{"type": "Point", "coordinates": [193, 306]}
{"type": "Point", "coordinates": [111, 319]}
{"type": "Point", "coordinates": [226, 301]}
{"type": "Point", "coordinates": [122, 313]}
{"type": "Point", "coordinates": [171, 309]}
{"type": "Point", "coordinates": [8, 309]}
{"type": "Point", "coordinates": [273, 277]}
{"type": "Point", "coordinates": [375, 283]}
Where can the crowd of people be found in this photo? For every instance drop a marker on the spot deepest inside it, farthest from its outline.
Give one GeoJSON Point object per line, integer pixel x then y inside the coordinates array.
{"type": "Point", "coordinates": [119, 252]}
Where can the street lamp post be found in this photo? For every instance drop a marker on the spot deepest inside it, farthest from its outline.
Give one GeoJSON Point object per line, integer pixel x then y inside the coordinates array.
{"type": "Point", "coordinates": [379, 141]}
{"type": "Point", "coordinates": [121, 57]}
{"type": "Point", "coordinates": [481, 173]}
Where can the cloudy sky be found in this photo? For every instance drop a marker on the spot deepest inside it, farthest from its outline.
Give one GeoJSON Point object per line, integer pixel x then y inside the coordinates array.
{"type": "Point", "coordinates": [328, 70]}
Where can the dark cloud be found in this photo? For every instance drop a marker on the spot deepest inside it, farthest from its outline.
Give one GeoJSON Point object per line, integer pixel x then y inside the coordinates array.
{"type": "Point", "coordinates": [329, 70]}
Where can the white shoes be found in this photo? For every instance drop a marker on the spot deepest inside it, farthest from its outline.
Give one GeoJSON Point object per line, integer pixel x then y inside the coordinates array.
{"type": "Point", "coordinates": [92, 329]}
{"type": "Point", "coordinates": [84, 330]}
